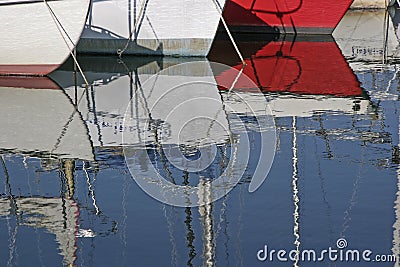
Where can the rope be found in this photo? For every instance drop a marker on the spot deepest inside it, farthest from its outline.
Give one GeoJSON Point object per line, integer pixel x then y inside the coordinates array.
{"type": "Point", "coordinates": [119, 52]}
{"type": "Point", "coordinates": [62, 31]}
{"type": "Point", "coordinates": [219, 9]}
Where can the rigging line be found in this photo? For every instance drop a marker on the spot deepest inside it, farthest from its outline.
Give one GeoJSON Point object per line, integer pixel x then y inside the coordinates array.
{"type": "Point", "coordinates": [59, 23]}
{"type": "Point", "coordinates": [219, 9]}
{"type": "Point", "coordinates": [236, 79]}
{"type": "Point", "coordinates": [61, 29]}
{"type": "Point", "coordinates": [121, 51]}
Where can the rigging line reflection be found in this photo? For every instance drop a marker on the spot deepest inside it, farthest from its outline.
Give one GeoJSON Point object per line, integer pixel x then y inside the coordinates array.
{"type": "Point", "coordinates": [325, 136]}
{"type": "Point", "coordinates": [190, 235]}
{"type": "Point", "coordinates": [240, 227]}
{"type": "Point", "coordinates": [353, 198]}
{"type": "Point", "coordinates": [14, 210]}
{"type": "Point", "coordinates": [95, 119]}
{"type": "Point", "coordinates": [296, 200]}
{"type": "Point", "coordinates": [396, 224]}
{"type": "Point", "coordinates": [324, 191]}
{"type": "Point", "coordinates": [11, 197]}
{"type": "Point", "coordinates": [168, 217]}
{"type": "Point", "coordinates": [90, 187]}
{"type": "Point", "coordinates": [125, 190]}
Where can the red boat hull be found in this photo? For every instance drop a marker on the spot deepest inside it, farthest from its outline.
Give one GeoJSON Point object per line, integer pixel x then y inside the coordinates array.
{"type": "Point", "coordinates": [285, 16]}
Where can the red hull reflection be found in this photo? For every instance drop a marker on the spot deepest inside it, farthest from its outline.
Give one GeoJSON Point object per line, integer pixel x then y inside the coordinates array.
{"type": "Point", "coordinates": [302, 67]}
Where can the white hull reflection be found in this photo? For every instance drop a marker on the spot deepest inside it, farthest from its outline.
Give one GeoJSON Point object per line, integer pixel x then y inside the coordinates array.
{"type": "Point", "coordinates": [367, 36]}
{"type": "Point", "coordinates": [120, 89]}
{"type": "Point", "coordinates": [300, 106]}
{"type": "Point", "coordinates": [118, 96]}
{"type": "Point", "coordinates": [41, 121]}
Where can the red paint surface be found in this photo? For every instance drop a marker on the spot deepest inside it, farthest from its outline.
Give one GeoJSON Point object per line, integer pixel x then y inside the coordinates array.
{"type": "Point", "coordinates": [28, 82]}
{"type": "Point", "coordinates": [286, 13]}
{"type": "Point", "coordinates": [34, 70]}
{"type": "Point", "coordinates": [311, 68]}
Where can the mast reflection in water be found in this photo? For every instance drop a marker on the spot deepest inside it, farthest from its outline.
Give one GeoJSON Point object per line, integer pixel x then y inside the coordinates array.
{"type": "Point", "coordinates": [69, 198]}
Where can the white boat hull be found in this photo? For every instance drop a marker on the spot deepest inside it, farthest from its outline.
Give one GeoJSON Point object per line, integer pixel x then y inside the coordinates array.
{"type": "Point", "coordinates": [176, 27]}
{"type": "Point", "coordinates": [31, 43]}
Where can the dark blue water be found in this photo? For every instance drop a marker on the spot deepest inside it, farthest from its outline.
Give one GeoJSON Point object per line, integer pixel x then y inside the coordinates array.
{"type": "Point", "coordinates": [69, 198]}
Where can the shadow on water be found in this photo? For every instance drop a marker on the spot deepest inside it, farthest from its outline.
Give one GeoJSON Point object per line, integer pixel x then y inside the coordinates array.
{"type": "Point", "coordinates": [67, 188]}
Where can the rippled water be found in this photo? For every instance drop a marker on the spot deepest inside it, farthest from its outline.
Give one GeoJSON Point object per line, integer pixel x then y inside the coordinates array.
{"type": "Point", "coordinates": [68, 160]}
